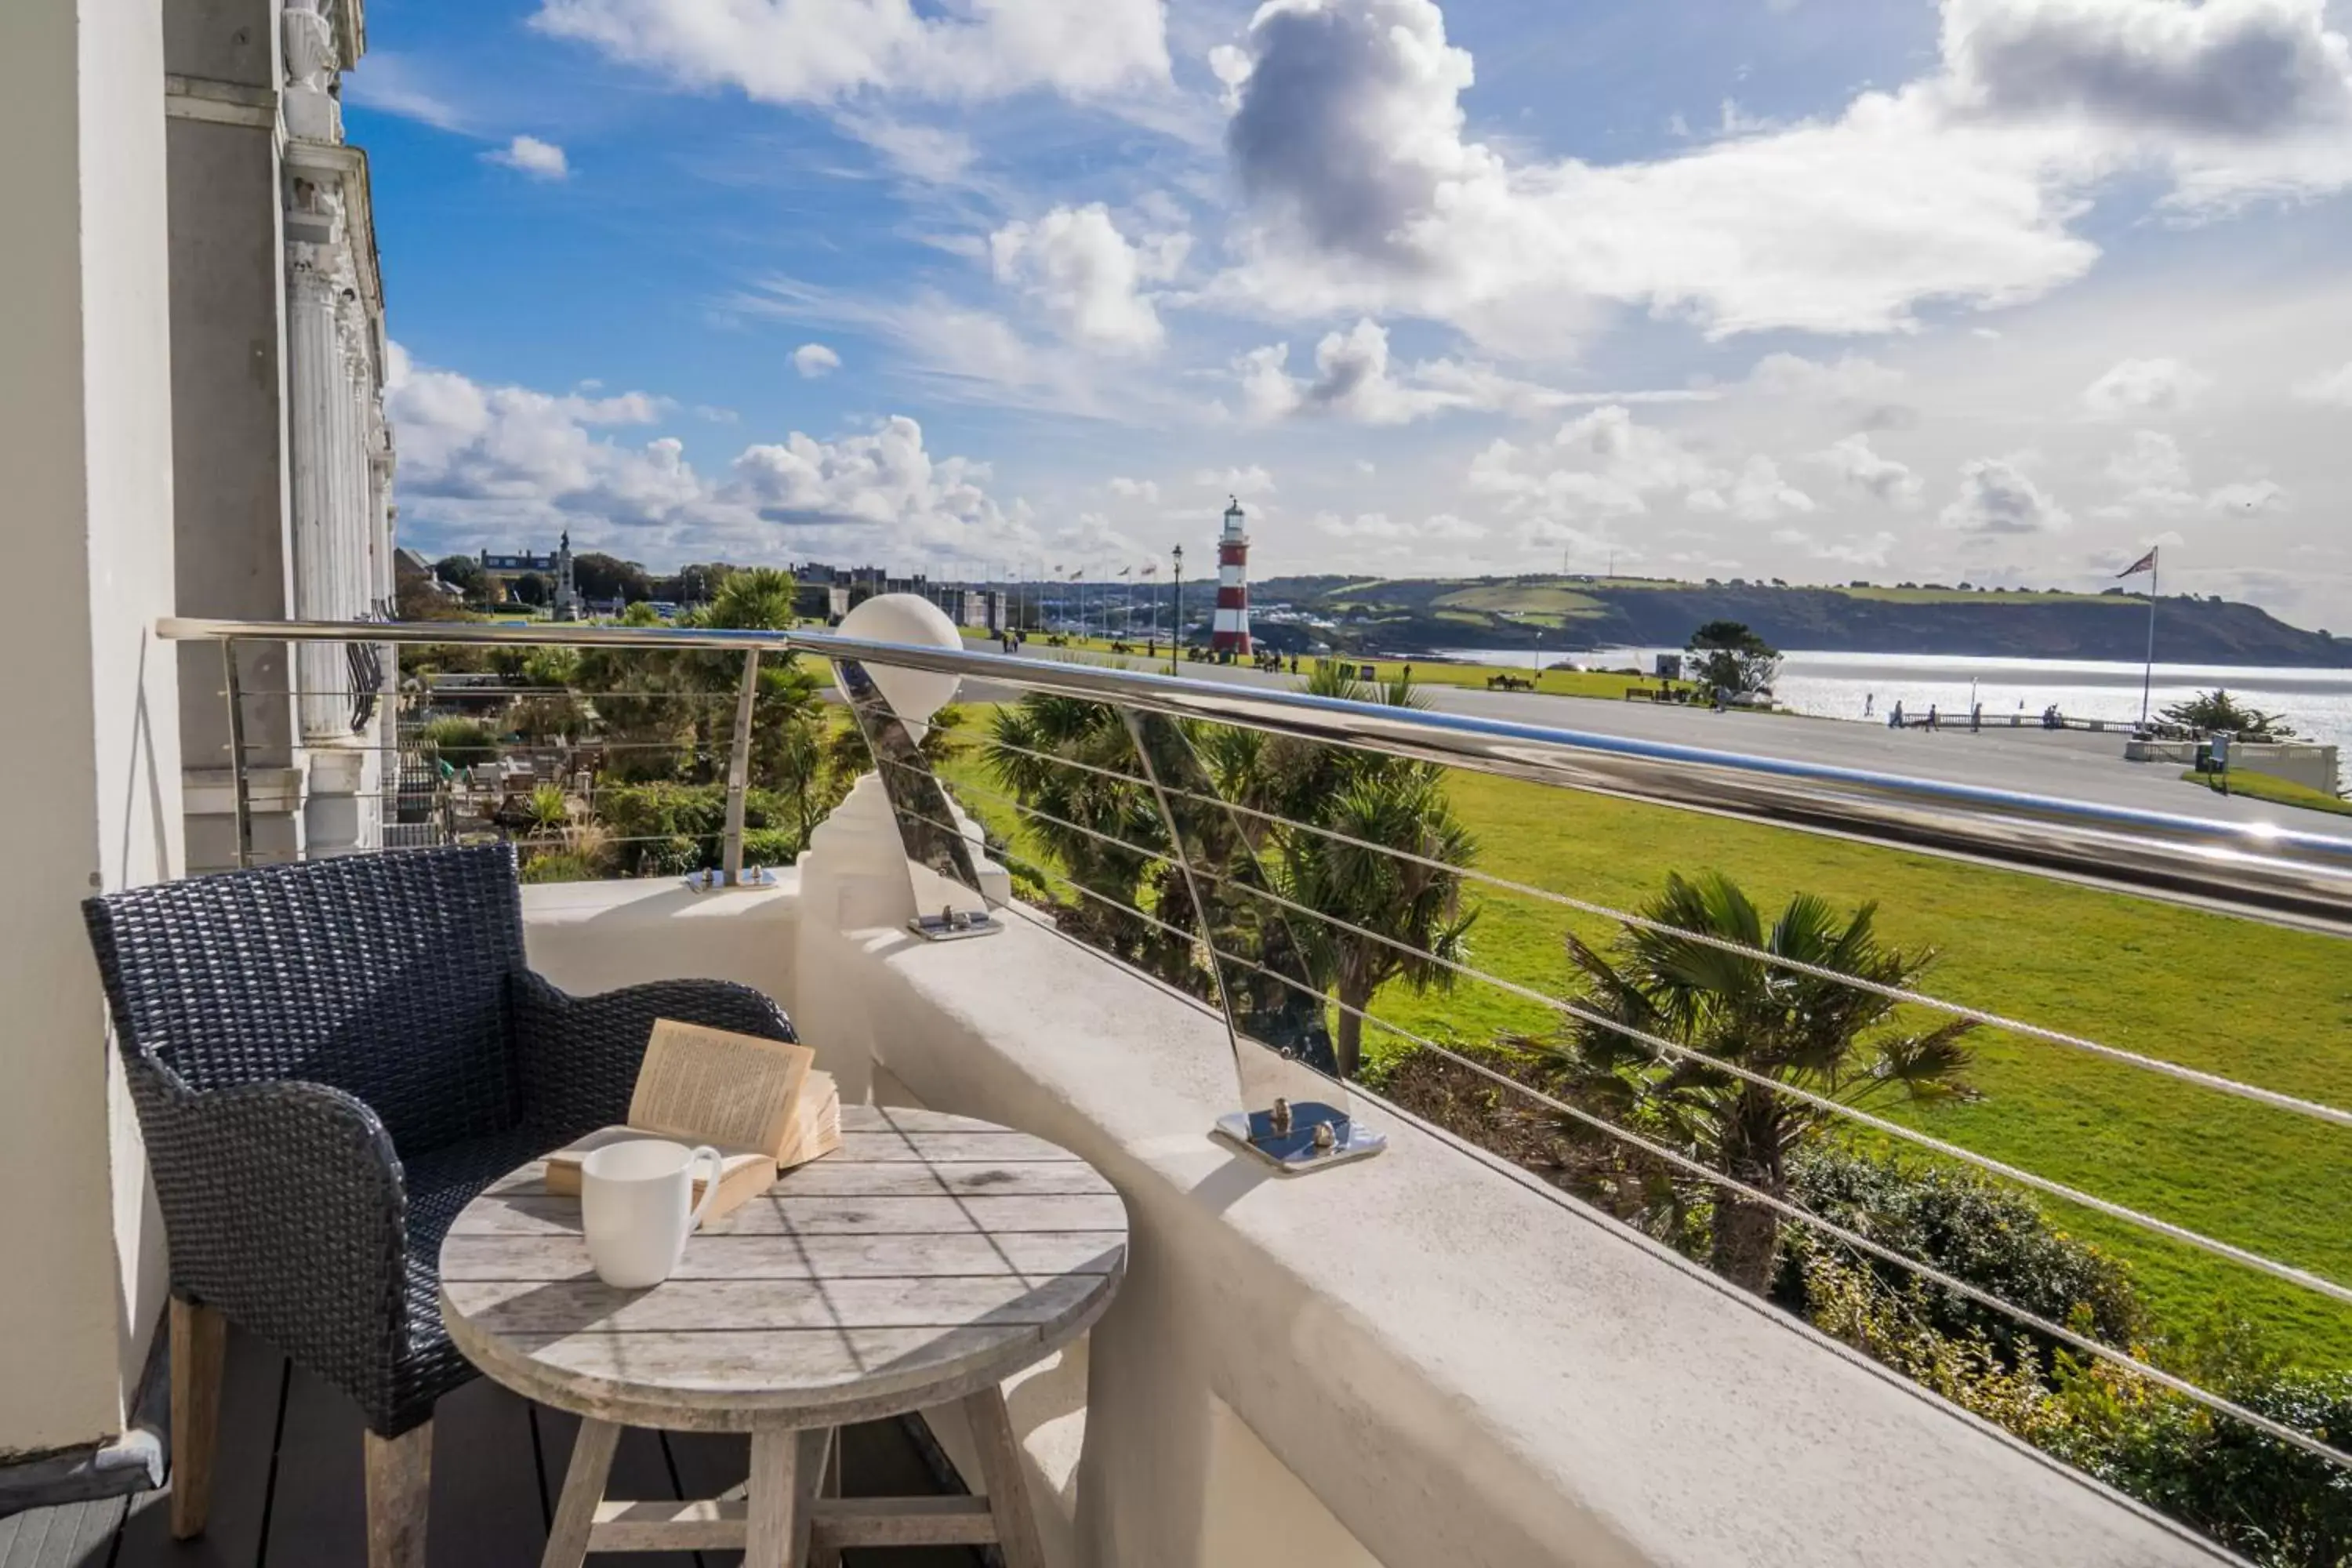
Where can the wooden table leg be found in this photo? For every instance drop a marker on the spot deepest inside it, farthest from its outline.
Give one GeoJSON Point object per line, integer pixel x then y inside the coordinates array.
{"type": "Point", "coordinates": [822, 1555]}
{"type": "Point", "coordinates": [1001, 1474]}
{"type": "Point", "coordinates": [583, 1489]}
{"type": "Point", "coordinates": [786, 1468]}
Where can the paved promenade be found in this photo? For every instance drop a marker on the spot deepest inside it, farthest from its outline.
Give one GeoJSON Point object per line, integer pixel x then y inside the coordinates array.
{"type": "Point", "coordinates": [2070, 764]}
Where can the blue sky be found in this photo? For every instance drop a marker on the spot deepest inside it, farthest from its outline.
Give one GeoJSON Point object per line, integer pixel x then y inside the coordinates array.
{"type": "Point", "coordinates": [1992, 289]}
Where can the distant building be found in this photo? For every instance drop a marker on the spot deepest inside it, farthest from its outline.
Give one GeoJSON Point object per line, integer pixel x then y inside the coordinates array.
{"type": "Point", "coordinates": [1230, 628]}
{"type": "Point", "coordinates": [503, 568]}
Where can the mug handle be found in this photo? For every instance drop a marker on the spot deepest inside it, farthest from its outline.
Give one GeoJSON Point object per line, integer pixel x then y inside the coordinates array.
{"type": "Point", "coordinates": [710, 1187]}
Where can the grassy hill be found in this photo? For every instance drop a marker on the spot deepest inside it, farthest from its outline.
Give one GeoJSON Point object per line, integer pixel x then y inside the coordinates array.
{"type": "Point", "coordinates": [1407, 614]}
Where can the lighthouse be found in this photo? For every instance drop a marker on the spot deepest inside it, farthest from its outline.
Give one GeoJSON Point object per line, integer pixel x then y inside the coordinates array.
{"type": "Point", "coordinates": [1231, 629]}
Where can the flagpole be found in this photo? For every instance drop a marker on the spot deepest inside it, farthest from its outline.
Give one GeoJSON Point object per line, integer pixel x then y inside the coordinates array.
{"type": "Point", "coordinates": [2148, 672]}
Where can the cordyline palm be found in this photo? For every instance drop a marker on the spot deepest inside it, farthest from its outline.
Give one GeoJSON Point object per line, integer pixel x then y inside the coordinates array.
{"type": "Point", "coordinates": [1119, 808]}
{"type": "Point", "coordinates": [1407, 917]}
{"type": "Point", "coordinates": [1839, 1042]}
{"type": "Point", "coordinates": [1383, 917]}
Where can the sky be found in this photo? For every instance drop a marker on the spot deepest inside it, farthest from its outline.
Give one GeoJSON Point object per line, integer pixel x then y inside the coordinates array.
{"type": "Point", "coordinates": [2002, 291]}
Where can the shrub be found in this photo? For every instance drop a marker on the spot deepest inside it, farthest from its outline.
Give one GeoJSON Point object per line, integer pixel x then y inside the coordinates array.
{"type": "Point", "coordinates": [2274, 1503]}
{"type": "Point", "coordinates": [1995, 1239]}
{"type": "Point", "coordinates": [462, 743]}
{"type": "Point", "coordinates": [676, 828]}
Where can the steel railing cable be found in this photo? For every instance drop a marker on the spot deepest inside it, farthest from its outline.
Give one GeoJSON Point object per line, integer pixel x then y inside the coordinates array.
{"type": "Point", "coordinates": [1659, 1044]}
{"type": "Point", "coordinates": [2219, 1403]}
{"type": "Point", "coordinates": [2316, 1110]}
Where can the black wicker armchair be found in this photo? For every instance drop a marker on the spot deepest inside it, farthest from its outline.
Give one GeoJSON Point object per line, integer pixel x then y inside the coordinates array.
{"type": "Point", "coordinates": [329, 1061]}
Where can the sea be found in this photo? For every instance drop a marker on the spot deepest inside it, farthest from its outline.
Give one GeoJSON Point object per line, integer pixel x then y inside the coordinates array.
{"type": "Point", "coordinates": [2317, 703]}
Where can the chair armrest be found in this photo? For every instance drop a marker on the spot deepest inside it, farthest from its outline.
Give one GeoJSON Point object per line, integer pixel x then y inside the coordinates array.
{"type": "Point", "coordinates": [577, 1057]}
{"type": "Point", "coordinates": [284, 1208]}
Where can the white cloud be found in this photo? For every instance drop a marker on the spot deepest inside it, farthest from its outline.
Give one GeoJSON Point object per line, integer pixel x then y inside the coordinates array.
{"type": "Point", "coordinates": [1145, 491]}
{"type": "Point", "coordinates": [1075, 262]}
{"type": "Point", "coordinates": [1995, 496]}
{"type": "Point", "coordinates": [1859, 467]}
{"type": "Point", "coordinates": [1606, 464]}
{"type": "Point", "coordinates": [932, 153]}
{"type": "Point", "coordinates": [815, 360]}
{"type": "Point", "coordinates": [1246, 483]}
{"type": "Point", "coordinates": [482, 463]}
{"type": "Point", "coordinates": [2334, 388]}
{"type": "Point", "coordinates": [1860, 549]}
{"type": "Point", "coordinates": [391, 83]}
{"type": "Point", "coordinates": [2244, 496]}
{"type": "Point", "coordinates": [1351, 146]}
{"type": "Point", "coordinates": [530, 155]}
{"type": "Point", "coordinates": [819, 51]}
{"type": "Point", "coordinates": [2135, 388]}
{"type": "Point", "coordinates": [1355, 379]}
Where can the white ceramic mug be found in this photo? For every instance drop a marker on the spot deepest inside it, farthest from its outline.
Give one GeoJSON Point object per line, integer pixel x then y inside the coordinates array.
{"type": "Point", "coordinates": [636, 1207]}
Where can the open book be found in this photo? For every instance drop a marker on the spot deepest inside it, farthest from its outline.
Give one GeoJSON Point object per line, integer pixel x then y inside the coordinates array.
{"type": "Point", "coordinates": [759, 1102]}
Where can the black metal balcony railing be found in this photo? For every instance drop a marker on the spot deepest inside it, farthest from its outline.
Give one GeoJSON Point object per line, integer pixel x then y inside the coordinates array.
{"type": "Point", "coordinates": [1260, 988]}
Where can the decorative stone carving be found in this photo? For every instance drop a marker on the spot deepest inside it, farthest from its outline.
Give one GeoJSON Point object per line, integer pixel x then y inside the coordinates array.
{"type": "Point", "coordinates": [312, 112]}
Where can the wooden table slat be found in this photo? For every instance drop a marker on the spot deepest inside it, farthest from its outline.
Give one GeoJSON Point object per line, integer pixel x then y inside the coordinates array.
{"type": "Point", "coordinates": [928, 1256]}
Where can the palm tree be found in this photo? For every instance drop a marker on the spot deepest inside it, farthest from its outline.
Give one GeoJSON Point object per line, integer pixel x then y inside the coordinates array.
{"type": "Point", "coordinates": [1846, 1045]}
{"type": "Point", "coordinates": [1408, 921]}
{"type": "Point", "coordinates": [1384, 918]}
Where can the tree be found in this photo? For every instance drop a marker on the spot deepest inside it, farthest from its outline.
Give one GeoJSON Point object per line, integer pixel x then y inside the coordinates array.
{"type": "Point", "coordinates": [2217, 710]}
{"type": "Point", "coordinates": [1733, 659]}
{"type": "Point", "coordinates": [1384, 918]}
{"type": "Point", "coordinates": [601, 576]}
{"type": "Point", "coordinates": [530, 588]}
{"type": "Point", "coordinates": [1842, 1043]}
{"type": "Point", "coordinates": [463, 572]}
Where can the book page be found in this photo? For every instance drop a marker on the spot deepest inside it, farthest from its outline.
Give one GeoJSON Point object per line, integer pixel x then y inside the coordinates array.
{"type": "Point", "coordinates": [713, 1086]}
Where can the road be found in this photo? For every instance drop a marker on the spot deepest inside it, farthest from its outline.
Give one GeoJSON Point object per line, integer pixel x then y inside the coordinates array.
{"type": "Point", "coordinates": [2070, 765]}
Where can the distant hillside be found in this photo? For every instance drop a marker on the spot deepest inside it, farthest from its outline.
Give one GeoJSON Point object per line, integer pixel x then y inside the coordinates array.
{"type": "Point", "coordinates": [1406, 614]}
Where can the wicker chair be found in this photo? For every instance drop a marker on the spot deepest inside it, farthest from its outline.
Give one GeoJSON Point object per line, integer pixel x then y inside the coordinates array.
{"type": "Point", "coordinates": [330, 1060]}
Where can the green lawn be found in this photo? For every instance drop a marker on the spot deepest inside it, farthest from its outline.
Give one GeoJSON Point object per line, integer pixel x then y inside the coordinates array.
{"type": "Point", "coordinates": [2264, 1005]}
{"type": "Point", "coordinates": [1548, 599]}
{"type": "Point", "coordinates": [1609, 688]}
{"type": "Point", "coordinates": [2275, 790]}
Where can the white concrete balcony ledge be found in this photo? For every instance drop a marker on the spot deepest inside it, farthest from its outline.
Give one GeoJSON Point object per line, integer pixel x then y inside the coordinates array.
{"type": "Point", "coordinates": [1420, 1358]}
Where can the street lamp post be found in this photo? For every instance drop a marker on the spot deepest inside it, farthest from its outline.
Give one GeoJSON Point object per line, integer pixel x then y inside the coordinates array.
{"type": "Point", "coordinates": [1176, 623]}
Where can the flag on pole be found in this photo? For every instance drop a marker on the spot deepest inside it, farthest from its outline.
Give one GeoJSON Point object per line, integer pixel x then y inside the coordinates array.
{"type": "Point", "coordinates": [1125, 570]}
{"type": "Point", "coordinates": [2145, 563]}
{"type": "Point", "coordinates": [1152, 570]}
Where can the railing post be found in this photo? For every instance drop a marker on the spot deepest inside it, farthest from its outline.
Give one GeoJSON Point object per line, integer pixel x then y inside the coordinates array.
{"type": "Point", "coordinates": [739, 771]}
{"type": "Point", "coordinates": [241, 786]}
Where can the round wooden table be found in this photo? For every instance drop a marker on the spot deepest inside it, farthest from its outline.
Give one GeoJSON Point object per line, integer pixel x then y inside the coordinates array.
{"type": "Point", "coordinates": [920, 1264]}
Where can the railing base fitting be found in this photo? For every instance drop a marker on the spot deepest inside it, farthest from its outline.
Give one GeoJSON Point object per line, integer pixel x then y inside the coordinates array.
{"type": "Point", "coordinates": [955, 925]}
{"type": "Point", "coordinates": [1304, 1137]}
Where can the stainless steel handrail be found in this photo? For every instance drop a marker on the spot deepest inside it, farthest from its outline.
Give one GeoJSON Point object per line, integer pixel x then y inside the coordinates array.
{"type": "Point", "coordinates": [2261, 869]}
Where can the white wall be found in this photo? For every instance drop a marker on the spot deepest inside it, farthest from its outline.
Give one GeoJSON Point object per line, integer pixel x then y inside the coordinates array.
{"type": "Point", "coordinates": [90, 773]}
{"type": "Point", "coordinates": [1422, 1358]}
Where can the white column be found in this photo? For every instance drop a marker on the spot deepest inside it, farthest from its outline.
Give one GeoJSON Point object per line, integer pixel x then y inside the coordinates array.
{"type": "Point", "coordinates": [92, 777]}
{"type": "Point", "coordinates": [313, 388]}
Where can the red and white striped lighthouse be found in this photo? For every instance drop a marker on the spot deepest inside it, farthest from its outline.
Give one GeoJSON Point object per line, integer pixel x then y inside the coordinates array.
{"type": "Point", "coordinates": [1231, 627]}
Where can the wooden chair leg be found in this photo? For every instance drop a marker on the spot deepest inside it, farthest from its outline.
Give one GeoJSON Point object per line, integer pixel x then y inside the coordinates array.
{"type": "Point", "coordinates": [1001, 1474]}
{"type": "Point", "coordinates": [583, 1489]}
{"type": "Point", "coordinates": [199, 1353]}
{"type": "Point", "coordinates": [399, 1483]}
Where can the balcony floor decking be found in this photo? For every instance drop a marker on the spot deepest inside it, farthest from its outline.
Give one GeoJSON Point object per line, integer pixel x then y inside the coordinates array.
{"type": "Point", "coordinates": [287, 1486]}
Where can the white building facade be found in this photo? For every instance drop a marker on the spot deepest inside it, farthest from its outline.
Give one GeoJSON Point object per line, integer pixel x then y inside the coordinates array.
{"type": "Point", "coordinates": [282, 458]}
